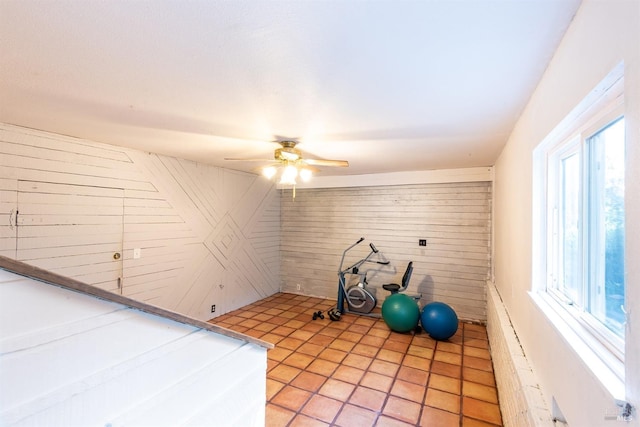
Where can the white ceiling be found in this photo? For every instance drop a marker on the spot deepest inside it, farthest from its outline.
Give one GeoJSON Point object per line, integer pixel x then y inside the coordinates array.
{"type": "Point", "coordinates": [387, 85]}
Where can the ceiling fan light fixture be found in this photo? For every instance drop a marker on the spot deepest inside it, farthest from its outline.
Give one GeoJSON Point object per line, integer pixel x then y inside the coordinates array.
{"type": "Point", "coordinates": [269, 172]}
{"type": "Point", "coordinates": [288, 165]}
{"type": "Point", "coordinates": [289, 175]}
{"type": "Point", "coordinates": [305, 174]}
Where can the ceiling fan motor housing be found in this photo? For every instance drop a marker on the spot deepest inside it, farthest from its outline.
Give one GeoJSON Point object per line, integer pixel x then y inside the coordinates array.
{"type": "Point", "coordinates": [288, 152]}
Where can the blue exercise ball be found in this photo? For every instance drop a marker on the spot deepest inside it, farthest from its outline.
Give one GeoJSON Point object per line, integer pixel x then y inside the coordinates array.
{"type": "Point", "coordinates": [400, 312]}
{"type": "Point", "coordinates": [439, 320]}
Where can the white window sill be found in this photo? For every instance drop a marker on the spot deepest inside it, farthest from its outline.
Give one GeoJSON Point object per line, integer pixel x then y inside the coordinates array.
{"type": "Point", "coordinates": [604, 365]}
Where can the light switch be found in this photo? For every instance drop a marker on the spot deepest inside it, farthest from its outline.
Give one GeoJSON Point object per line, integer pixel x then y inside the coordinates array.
{"type": "Point", "coordinates": [136, 253]}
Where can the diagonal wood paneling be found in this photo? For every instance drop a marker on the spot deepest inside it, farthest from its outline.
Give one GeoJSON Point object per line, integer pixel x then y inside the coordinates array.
{"type": "Point", "coordinates": [206, 235]}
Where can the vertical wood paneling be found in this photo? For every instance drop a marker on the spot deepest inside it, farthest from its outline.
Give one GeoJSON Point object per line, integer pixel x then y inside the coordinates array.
{"type": "Point", "coordinates": [207, 235]}
{"type": "Point", "coordinates": [454, 218]}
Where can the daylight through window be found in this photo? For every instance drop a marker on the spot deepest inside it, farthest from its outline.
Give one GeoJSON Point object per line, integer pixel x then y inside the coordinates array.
{"type": "Point", "coordinates": [584, 242]}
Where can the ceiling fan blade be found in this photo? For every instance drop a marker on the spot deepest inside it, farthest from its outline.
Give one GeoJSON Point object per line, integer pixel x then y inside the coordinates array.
{"type": "Point", "coordinates": [237, 159]}
{"type": "Point", "coordinates": [320, 162]}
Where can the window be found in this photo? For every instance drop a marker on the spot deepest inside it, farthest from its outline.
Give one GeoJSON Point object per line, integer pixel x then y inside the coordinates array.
{"type": "Point", "coordinates": [585, 242]}
{"type": "Point", "coordinates": [579, 219]}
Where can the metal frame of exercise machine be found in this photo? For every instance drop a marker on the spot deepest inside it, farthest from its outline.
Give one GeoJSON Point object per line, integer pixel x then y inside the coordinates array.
{"type": "Point", "coordinates": [359, 300]}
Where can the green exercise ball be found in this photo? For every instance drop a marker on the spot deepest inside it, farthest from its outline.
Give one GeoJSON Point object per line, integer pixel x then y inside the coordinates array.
{"type": "Point", "coordinates": [400, 312]}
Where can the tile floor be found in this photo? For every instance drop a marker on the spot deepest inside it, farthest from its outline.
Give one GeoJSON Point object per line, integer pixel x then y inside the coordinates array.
{"type": "Point", "coordinates": [355, 372]}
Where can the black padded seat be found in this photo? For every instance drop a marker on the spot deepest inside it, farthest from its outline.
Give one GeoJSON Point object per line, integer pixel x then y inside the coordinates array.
{"type": "Point", "coordinates": [391, 287]}
{"type": "Point", "coordinates": [394, 288]}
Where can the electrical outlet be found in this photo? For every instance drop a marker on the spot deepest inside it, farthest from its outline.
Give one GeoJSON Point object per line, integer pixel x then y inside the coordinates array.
{"type": "Point", "coordinates": [213, 308]}
{"type": "Point", "coordinates": [298, 286]}
{"type": "Point", "coordinates": [422, 242]}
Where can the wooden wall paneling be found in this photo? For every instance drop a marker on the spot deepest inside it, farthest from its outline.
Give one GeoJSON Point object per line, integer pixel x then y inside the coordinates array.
{"type": "Point", "coordinates": [256, 277]}
{"type": "Point", "coordinates": [205, 274]}
{"type": "Point", "coordinates": [170, 180]}
{"type": "Point", "coordinates": [57, 172]}
{"type": "Point", "coordinates": [36, 154]}
{"type": "Point", "coordinates": [265, 241]}
{"type": "Point", "coordinates": [50, 213]}
{"type": "Point", "coordinates": [233, 211]}
{"type": "Point", "coordinates": [225, 221]}
{"type": "Point", "coordinates": [38, 144]}
{"type": "Point", "coordinates": [173, 211]}
{"type": "Point", "coordinates": [454, 218]}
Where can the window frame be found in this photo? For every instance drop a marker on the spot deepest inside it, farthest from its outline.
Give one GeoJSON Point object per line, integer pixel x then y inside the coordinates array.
{"type": "Point", "coordinates": [609, 117]}
{"type": "Point", "coordinates": [603, 106]}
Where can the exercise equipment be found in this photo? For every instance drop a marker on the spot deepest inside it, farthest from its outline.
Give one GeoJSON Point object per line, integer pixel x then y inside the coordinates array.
{"type": "Point", "coordinates": [358, 298]}
{"type": "Point", "coordinates": [400, 312]}
{"type": "Point", "coordinates": [439, 320]}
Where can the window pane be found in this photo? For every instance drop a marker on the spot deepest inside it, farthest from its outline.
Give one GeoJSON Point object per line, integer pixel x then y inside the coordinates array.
{"type": "Point", "coordinates": [569, 227]}
{"type": "Point", "coordinates": [607, 292]}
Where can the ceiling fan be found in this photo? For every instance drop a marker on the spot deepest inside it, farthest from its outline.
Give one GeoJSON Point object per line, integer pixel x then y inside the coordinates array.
{"type": "Point", "coordinates": [289, 153]}
{"type": "Point", "coordinates": [288, 164]}
{"type": "Point", "coordinates": [291, 162]}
